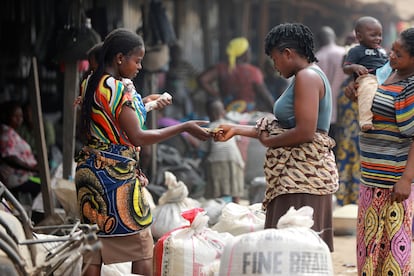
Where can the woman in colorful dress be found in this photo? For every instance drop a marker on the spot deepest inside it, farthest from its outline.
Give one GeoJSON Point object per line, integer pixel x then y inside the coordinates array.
{"type": "Point", "coordinates": [347, 149]}
{"type": "Point", "coordinates": [387, 160]}
{"type": "Point", "coordinates": [108, 180]}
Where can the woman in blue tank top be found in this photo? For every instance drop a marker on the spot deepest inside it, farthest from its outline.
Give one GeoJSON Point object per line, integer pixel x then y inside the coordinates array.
{"type": "Point", "coordinates": [300, 166]}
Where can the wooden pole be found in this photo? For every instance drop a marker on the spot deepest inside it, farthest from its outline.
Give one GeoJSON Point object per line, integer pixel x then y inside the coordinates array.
{"type": "Point", "coordinates": [246, 18]}
{"type": "Point", "coordinates": [71, 91]}
{"type": "Point", "coordinates": [42, 157]}
{"type": "Point", "coordinates": [263, 29]}
{"type": "Point", "coordinates": [207, 47]}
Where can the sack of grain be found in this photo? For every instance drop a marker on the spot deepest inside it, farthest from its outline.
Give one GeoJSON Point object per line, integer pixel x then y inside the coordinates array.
{"type": "Point", "coordinates": [237, 219]}
{"type": "Point", "coordinates": [167, 215]}
{"type": "Point", "coordinates": [294, 250]}
{"type": "Point", "coordinates": [189, 250]}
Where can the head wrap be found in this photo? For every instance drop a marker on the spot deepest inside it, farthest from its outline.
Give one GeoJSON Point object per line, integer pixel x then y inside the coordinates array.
{"type": "Point", "coordinates": [235, 48]}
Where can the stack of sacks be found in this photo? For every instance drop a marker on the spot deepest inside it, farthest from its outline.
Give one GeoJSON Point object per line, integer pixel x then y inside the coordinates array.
{"type": "Point", "coordinates": [292, 249]}
{"type": "Point", "coordinates": [237, 219]}
{"type": "Point", "coordinates": [190, 250]}
{"type": "Point", "coordinates": [213, 208]}
{"type": "Point", "coordinates": [167, 215]}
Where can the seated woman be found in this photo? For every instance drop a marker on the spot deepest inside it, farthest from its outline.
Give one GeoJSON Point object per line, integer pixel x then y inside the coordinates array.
{"type": "Point", "coordinates": [18, 163]}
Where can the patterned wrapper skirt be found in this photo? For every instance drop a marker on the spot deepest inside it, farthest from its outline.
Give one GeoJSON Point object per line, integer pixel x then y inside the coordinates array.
{"type": "Point", "coordinates": [383, 233]}
{"type": "Point", "coordinates": [109, 192]}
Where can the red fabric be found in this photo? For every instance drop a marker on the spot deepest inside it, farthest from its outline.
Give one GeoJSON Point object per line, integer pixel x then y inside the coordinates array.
{"type": "Point", "coordinates": [239, 82]}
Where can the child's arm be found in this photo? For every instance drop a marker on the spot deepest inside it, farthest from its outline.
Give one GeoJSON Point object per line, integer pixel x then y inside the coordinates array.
{"type": "Point", "coordinates": [355, 69]}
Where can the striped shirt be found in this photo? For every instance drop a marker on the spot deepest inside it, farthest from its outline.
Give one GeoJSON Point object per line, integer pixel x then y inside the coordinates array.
{"type": "Point", "coordinates": [384, 150]}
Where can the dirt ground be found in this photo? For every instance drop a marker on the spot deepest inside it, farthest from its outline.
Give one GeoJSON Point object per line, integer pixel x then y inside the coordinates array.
{"type": "Point", "coordinates": [344, 257]}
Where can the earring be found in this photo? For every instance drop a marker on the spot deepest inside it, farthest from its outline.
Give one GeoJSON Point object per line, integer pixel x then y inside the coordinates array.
{"type": "Point", "coordinates": [119, 62]}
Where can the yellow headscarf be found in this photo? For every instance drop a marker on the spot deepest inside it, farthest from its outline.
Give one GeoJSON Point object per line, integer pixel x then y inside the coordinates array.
{"type": "Point", "coordinates": [235, 48]}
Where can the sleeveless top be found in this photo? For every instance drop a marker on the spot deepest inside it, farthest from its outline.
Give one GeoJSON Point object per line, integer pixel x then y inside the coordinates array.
{"type": "Point", "coordinates": [283, 108]}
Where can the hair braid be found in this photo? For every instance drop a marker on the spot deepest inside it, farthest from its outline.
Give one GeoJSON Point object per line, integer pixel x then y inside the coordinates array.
{"type": "Point", "coordinates": [291, 35]}
{"type": "Point", "coordinates": [118, 41]}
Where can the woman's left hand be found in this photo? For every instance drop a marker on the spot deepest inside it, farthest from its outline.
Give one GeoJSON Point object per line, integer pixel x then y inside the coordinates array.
{"type": "Point", "coordinates": [160, 100]}
{"type": "Point", "coordinates": [226, 132]}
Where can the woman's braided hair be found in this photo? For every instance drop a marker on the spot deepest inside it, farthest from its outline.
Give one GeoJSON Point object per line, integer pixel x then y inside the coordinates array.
{"type": "Point", "coordinates": [407, 37]}
{"type": "Point", "coordinates": [118, 41]}
{"type": "Point", "coordinates": [294, 36]}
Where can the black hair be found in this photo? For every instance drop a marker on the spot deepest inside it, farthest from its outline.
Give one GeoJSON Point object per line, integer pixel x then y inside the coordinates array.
{"type": "Point", "coordinates": [291, 35]}
{"type": "Point", "coordinates": [407, 37]}
{"type": "Point", "coordinates": [94, 51]}
{"type": "Point", "coordinates": [118, 41]}
{"type": "Point", "coordinates": [7, 111]}
{"type": "Point", "coordinates": [325, 36]}
{"type": "Point", "coordinates": [213, 107]}
{"type": "Point", "coordinates": [363, 21]}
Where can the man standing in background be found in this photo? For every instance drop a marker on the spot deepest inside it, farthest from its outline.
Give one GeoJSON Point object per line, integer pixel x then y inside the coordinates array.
{"type": "Point", "coordinates": [331, 56]}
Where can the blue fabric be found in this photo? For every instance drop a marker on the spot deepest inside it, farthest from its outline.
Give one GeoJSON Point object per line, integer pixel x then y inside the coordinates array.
{"type": "Point", "coordinates": [383, 72]}
{"type": "Point", "coordinates": [109, 192]}
{"type": "Point", "coordinates": [284, 111]}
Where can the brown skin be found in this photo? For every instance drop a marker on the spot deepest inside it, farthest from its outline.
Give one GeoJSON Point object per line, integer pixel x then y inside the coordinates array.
{"type": "Point", "coordinates": [309, 89]}
{"type": "Point", "coordinates": [403, 64]}
{"type": "Point", "coordinates": [128, 66]}
{"type": "Point", "coordinates": [369, 35]}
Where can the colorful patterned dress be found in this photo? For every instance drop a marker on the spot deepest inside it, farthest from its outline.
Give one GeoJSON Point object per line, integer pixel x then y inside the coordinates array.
{"type": "Point", "coordinates": [347, 149]}
{"type": "Point", "coordinates": [109, 192]}
{"type": "Point", "coordinates": [384, 227]}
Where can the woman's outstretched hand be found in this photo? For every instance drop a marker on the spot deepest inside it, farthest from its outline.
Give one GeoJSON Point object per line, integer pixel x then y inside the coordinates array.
{"type": "Point", "coordinates": [194, 128]}
{"type": "Point", "coordinates": [223, 132]}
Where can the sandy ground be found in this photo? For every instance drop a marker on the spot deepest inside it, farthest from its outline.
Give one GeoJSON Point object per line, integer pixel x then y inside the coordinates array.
{"type": "Point", "coordinates": [344, 257]}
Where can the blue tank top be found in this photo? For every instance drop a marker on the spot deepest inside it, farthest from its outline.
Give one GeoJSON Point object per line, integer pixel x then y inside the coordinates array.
{"type": "Point", "coordinates": [283, 108]}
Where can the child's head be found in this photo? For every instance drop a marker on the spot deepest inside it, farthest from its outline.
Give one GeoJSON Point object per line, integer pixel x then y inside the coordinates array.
{"type": "Point", "coordinates": [215, 109]}
{"type": "Point", "coordinates": [93, 56]}
{"type": "Point", "coordinates": [368, 31]}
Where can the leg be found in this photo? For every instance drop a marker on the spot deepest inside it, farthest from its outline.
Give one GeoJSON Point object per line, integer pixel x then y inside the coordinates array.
{"type": "Point", "coordinates": [142, 267]}
{"type": "Point", "coordinates": [93, 270]}
{"type": "Point", "coordinates": [367, 87]}
{"type": "Point", "coordinates": [236, 199]}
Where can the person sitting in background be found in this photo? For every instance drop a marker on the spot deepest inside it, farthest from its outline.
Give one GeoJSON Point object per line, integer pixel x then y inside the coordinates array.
{"type": "Point", "coordinates": [224, 162]}
{"type": "Point", "coordinates": [239, 82]}
{"type": "Point", "coordinates": [18, 160]}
